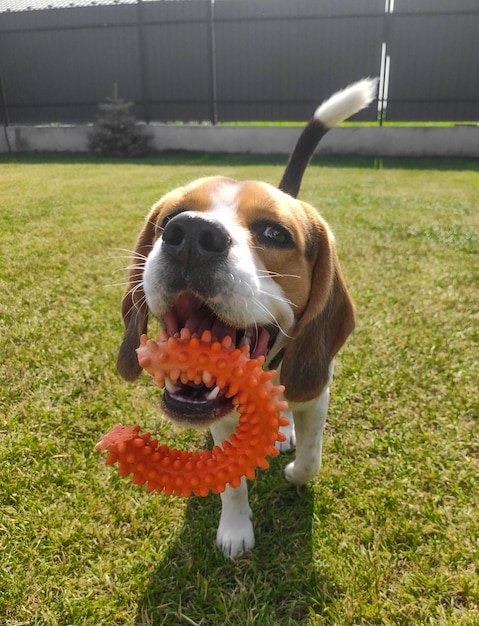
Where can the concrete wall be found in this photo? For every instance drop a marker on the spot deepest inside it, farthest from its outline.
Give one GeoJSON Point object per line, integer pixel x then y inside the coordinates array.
{"type": "Point", "coordinates": [457, 141]}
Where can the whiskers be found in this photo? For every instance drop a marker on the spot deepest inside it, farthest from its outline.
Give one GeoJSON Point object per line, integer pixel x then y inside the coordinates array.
{"type": "Point", "coordinates": [260, 273]}
{"type": "Point", "coordinates": [268, 314]}
{"type": "Point", "coordinates": [134, 281]}
{"type": "Point", "coordinates": [273, 318]}
{"type": "Point", "coordinates": [134, 272]}
{"type": "Point", "coordinates": [136, 258]}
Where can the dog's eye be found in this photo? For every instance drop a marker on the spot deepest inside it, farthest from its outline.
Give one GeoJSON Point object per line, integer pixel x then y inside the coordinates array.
{"type": "Point", "coordinates": [273, 235]}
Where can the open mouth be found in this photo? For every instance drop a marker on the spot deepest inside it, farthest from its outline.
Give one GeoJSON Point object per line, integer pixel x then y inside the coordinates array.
{"type": "Point", "coordinates": [201, 401]}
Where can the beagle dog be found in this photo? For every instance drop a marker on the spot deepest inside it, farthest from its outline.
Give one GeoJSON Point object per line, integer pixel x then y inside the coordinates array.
{"type": "Point", "coordinates": [248, 260]}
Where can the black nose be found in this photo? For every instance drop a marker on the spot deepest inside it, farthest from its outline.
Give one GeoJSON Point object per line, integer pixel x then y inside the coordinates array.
{"type": "Point", "coordinates": [191, 238]}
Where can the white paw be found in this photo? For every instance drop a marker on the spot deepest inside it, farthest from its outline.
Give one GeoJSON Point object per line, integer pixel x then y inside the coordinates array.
{"type": "Point", "coordinates": [235, 534]}
{"type": "Point", "coordinates": [300, 476]}
{"type": "Point", "coordinates": [289, 433]}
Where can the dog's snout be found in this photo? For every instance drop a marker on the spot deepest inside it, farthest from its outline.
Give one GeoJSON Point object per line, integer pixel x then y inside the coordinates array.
{"type": "Point", "coordinates": [193, 238]}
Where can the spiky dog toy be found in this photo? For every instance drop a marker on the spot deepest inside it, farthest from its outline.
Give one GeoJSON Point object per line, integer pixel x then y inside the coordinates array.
{"type": "Point", "coordinates": [202, 359]}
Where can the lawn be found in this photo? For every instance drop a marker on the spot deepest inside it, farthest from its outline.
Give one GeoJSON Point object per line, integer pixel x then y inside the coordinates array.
{"type": "Point", "coordinates": [388, 533]}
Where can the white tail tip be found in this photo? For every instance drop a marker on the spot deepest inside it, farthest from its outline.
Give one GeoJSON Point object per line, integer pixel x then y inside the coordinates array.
{"type": "Point", "coordinates": [346, 102]}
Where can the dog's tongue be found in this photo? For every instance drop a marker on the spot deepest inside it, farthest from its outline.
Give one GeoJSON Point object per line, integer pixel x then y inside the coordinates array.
{"type": "Point", "coordinates": [189, 312]}
{"type": "Point", "coordinates": [260, 346]}
{"type": "Point", "coordinates": [203, 319]}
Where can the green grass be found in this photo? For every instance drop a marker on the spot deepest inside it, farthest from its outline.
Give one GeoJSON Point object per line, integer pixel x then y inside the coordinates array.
{"type": "Point", "coordinates": [388, 533]}
{"type": "Point", "coordinates": [352, 123]}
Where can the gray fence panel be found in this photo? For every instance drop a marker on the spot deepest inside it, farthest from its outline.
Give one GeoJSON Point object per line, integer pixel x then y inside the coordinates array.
{"type": "Point", "coordinates": [179, 75]}
{"type": "Point", "coordinates": [178, 60]}
{"type": "Point", "coordinates": [280, 62]}
{"type": "Point", "coordinates": [238, 59]}
{"type": "Point", "coordinates": [169, 12]}
{"type": "Point", "coordinates": [67, 64]}
{"type": "Point", "coordinates": [290, 9]}
{"type": "Point", "coordinates": [434, 61]}
{"type": "Point", "coordinates": [424, 7]}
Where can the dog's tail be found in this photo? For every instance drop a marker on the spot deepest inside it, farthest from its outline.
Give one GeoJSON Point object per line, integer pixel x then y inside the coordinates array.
{"type": "Point", "coordinates": [336, 109]}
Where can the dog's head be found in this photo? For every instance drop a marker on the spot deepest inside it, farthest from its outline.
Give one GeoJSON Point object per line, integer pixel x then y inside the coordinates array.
{"type": "Point", "coordinates": [244, 260]}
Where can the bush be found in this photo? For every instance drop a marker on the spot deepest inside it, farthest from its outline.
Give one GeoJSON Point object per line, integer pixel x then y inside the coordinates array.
{"type": "Point", "coordinates": [116, 133]}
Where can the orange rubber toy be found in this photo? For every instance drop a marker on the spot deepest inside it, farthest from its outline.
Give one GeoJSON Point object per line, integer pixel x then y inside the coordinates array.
{"type": "Point", "coordinates": [188, 357]}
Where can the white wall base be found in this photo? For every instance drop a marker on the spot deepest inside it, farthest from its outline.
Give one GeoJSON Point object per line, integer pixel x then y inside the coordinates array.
{"type": "Point", "coordinates": [454, 141]}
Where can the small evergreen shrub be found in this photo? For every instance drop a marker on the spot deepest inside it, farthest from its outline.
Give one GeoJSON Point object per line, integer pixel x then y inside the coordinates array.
{"type": "Point", "coordinates": [116, 133]}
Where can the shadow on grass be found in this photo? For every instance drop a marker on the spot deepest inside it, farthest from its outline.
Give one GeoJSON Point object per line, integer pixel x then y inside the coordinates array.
{"type": "Point", "coordinates": [275, 583]}
{"type": "Point", "coordinates": [171, 158]}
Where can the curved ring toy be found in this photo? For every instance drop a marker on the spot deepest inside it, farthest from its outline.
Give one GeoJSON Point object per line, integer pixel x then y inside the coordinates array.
{"type": "Point", "coordinates": [252, 393]}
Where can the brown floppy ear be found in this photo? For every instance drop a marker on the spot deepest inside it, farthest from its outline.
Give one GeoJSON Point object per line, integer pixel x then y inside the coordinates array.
{"type": "Point", "coordinates": [323, 327]}
{"type": "Point", "coordinates": [134, 309]}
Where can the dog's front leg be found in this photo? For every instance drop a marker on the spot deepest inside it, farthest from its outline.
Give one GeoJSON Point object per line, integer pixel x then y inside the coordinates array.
{"type": "Point", "coordinates": [235, 531]}
{"type": "Point", "coordinates": [309, 422]}
{"type": "Point", "coordinates": [309, 426]}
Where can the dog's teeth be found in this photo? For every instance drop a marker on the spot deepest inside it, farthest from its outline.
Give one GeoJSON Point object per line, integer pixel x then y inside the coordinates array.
{"type": "Point", "coordinates": [213, 393]}
{"type": "Point", "coordinates": [175, 374]}
{"type": "Point", "coordinates": [170, 386]}
{"type": "Point", "coordinates": [185, 333]}
{"type": "Point", "coordinates": [163, 336]}
{"type": "Point", "coordinates": [160, 379]}
{"type": "Point", "coordinates": [245, 341]}
{"type": "Point", "coordinates": [207, 377]}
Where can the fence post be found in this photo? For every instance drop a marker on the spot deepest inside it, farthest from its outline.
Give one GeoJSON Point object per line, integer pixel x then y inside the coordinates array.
{"type": "Point", "coordinates": [214, 86]}
{"type": "Point", "coordinates": [385, 64]}
{"type": "Point", "coordinates": [3, 94]}
{"type": "Point", "coordinates": [145, 91]}
{"type": "Point", "coordinates": [6, 123]}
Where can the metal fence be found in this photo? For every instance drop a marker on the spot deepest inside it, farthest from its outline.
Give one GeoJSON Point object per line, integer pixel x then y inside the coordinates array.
{"type": "Point", "coordinates": [240, 60]}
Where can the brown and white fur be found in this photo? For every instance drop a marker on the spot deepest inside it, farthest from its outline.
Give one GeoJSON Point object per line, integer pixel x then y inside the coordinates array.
{"type": "Point", "coordinates": [251, 261]}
